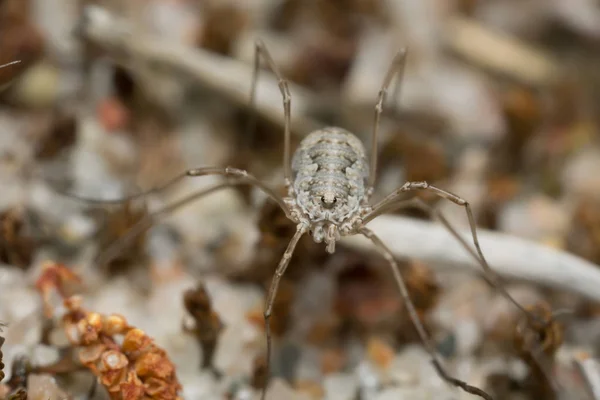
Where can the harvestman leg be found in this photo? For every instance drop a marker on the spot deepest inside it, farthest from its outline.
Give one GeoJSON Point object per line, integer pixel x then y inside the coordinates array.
{"type": "Point", "coordinates": [536, 352]}
{"type": "Point", "coordinates": [397, 65]}
{"type": "Point", "coordinates": [9, 64]}
{"type": "Point", "coordinates": [261, 49]}
{"type": "Point", "coordinates": [414, 316]}
{"type": "Point", "coordinates": [120, 243]}
{"type": "Point", "coordinates": [228, 172]}
{"type": "Point", "coordinates": [283, 264]}
{"type": "Point", "coordinates": [492, 277]}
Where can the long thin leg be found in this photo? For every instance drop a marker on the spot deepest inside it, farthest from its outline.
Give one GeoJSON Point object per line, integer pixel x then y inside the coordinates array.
{"type": "Point", "coordinates": [283, 264]}
{"type": "Point", "coordinates": [414, 316]}
{"type": "Point", "coordinates": [122, 242]}
{"type": "Point", "coordinates": [9, 64]}
{"type": "Point", "coordinates": [543, 362]}
{"type": "Point", "coordinates": [251, 123]}
{"type": "Point", "coordinates": [92, 392]}
{"type": "Point", "coordinates": [427, 208]}
{"type": "Point", "coordinates": [204, 171]}
{"type": "Point", "coordinates": [261, 49]}
{"type": "Point", "coordinates": [492, 277]}
{"type": "Point", "coordinates": [397, 65]}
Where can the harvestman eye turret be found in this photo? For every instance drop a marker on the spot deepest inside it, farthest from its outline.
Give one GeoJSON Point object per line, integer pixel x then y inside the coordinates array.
{"type": "Point", "coordinates": [329, 183]}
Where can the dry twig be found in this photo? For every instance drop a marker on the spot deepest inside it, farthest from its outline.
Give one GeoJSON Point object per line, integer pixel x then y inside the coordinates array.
{"type": "Point", "coordinates": [500, 53]}
{"type": "Point", "coordinates": [220, 74]}
{"type": "Point", "coordinates": [509, 256]}
{"type": "Point", "coordinates": [208, 325]}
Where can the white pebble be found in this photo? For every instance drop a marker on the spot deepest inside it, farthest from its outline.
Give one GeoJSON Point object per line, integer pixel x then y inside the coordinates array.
{"type": "Point", "coordinates": [279, 390]}
{"type": "Point", "coordinates": [468, 336]}
{"type": "Point", "coordinates": [44, 387]}
{"type": "Point", "coordinates": [340, 387]}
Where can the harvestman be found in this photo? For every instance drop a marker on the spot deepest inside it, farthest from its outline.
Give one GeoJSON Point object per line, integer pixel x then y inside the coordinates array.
{"type": "Point", "coordinates": [329, 182]}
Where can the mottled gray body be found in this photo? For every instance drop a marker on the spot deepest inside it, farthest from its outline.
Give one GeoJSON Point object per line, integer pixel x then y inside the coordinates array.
{"type": "Point", "coordinates": [330, 172]}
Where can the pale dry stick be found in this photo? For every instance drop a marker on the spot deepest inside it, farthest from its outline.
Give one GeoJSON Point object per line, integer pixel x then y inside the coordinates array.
{"type": "Point", "coordinates": [500, 52]}
{"type": "Point", "coordinates": [512, 257]}
{"type": "Point", "coordinates": [329, 186]}
{"type": "Point", "coordinates": [589, 368]}
{"type": "Point", "coordinates": [221, 75]}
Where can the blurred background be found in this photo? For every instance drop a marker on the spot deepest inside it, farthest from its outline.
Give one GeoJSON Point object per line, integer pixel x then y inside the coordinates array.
{"type": "Point", "coordinates": [499, 103]}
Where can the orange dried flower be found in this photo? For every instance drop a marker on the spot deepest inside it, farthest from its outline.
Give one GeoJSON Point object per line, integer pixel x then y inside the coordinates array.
{"type": "Point", "coordinates": [57, 277]}
{"type": "Point", "coordinates": [132, 388]}
{"type": "Point", "coordinates": [154, 364]}
{"type": "Point", "coordinates": [135, 369]}
{"type": "Point", "coordinates": [136, 341]}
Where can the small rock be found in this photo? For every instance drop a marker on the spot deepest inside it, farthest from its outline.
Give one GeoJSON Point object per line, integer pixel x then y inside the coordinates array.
{"type": "Point", "coordinates": [413, 366]}
{"type": "Point", "coordinates": [39, 86]}
{"type": "Point", "coordinates": [233, 354]}
{"type": "Point", "coordinates": [379, 352]}
{"type": "Point", "coordinates": [200, 386]}
{"type": "Point", "coordinates": [279, 390]}
{"type": "Point", "coordinates": [577, 178]}
{"type": "Point", "coordinates": [537, 218]}
{"type": "Point", "coordinates": [311, 388]}
{"type": "Point", "coordinates": [340, 387]}
{"type": "Point", "coordinates": [410, 393]}
{"type": "Point", "coordinates": [44, 387]}
{"type": "Point", "coordinates": [44, 355]}
{"type": "Point", "coordinates": [368, 380]}
{"type": "Point", "coordinates": [468, 336]}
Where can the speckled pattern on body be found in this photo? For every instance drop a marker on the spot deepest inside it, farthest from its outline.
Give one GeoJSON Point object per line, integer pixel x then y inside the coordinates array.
{"type": "Point", "coordinates": [330, 171]}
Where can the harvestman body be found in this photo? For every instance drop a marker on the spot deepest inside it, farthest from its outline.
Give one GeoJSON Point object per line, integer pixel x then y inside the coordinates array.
{"type": "Point", "coordinates": [329, 182]}
{"type": "Point", "coordinates": [328, 195]}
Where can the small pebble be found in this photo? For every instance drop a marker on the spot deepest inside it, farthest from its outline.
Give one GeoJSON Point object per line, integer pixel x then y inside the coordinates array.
{"type": "Point", "coordinates": [468, 336]}
{"type": "Point", "coordinates": [368, 380]}
{"type": "Point", "coordinates": [340, 387]}
{"type": "Point", "coordinates": [380, 353]}
{"type": "Point", "coordinates": [279, 390]}
{"type": "Point", "coordinates": [44, 355]}
{"type": "Point", "coordinates": [44, 387]}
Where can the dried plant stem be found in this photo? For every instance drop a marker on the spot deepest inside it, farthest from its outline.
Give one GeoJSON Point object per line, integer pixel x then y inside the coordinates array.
{"type": "Point", "coordinates": [509, 256]}
{"type": "Point", "coordinates": [500, 52]}
{"type": "Point", "coordinates": [223, 75]}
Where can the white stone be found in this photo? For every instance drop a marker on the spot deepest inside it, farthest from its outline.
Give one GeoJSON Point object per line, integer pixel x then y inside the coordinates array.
{"type": "Point", "coordinates": [340, 387]}
{"type": "Point", "coordinates": [468, 336]}
{"type": "Point", "coordinates": [44, 387]}
{"type": "Point", "coordinates": [279, 390]}
{"type": "Point", "coordinates": [578, 177]}
{"type": "Point", "coordinates": [44, 355]}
